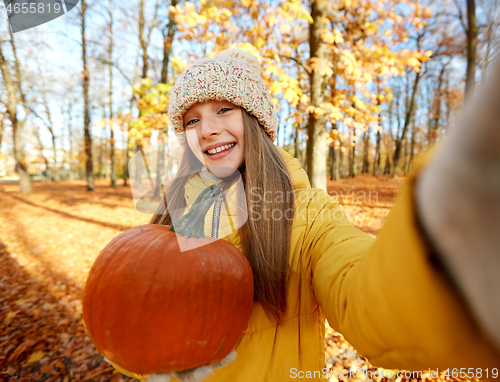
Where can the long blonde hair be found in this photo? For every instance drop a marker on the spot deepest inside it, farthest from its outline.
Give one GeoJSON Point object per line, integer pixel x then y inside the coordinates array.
{"type": "Point", "coordinates": [265, 241]}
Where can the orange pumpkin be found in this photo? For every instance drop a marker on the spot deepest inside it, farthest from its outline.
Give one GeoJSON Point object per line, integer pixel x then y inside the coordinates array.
{"type": "Point", "coordinates": [150, 308]}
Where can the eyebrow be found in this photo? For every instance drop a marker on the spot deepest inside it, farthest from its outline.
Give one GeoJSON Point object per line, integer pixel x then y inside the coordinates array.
{"type": "Point", "coordinates": [187, 115]}
{"type": "Point", "coordinates": [219, 102]}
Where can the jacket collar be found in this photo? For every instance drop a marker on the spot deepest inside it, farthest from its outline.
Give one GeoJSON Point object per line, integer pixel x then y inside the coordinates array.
{"type": "Point", "coordinates": [299, 176]}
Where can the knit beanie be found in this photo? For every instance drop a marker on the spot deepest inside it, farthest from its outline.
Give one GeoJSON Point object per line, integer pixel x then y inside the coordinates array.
{"type": "Point", "coordinates": [232, 75]}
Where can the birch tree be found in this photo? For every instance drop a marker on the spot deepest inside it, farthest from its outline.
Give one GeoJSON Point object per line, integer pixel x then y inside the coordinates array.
{"type": "Point", "coordinates": [17, 124]}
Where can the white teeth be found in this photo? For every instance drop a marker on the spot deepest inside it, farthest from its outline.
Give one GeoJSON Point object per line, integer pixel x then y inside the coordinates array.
{"type": "Point", "coordinates": [220, 148]}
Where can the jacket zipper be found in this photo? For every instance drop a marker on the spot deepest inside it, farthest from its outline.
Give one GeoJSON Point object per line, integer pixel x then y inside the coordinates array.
{"type": "Point", "coordinates": [216, 217]}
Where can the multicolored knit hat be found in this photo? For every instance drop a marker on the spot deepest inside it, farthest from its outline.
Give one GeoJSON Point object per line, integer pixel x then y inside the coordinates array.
{"type": "Point", "coordinates": [232, 75]}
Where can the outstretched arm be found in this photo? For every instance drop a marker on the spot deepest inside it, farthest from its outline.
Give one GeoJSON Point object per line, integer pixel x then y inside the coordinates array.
{"type": "Point", "coordinates": [389, 297]}
{"type": "Point", "coordinates": [458, 202]}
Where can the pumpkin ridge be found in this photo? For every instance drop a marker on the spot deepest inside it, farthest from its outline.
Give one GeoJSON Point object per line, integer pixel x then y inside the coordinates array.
{"type": "Point", "coordinates": [121, 264]}
{"type": "Point", "coordinates": [88, 296]}
{"type": "Point", "coordinates": [148, 294]}
{"type": "Point", "coordinates": [114, 265]}
{"type": "Point", "coordinates": [220, 300]}
{"type": "Point", "coordinates": [101, 317]}
{"type": "Point", "coordinates": [168, 305]}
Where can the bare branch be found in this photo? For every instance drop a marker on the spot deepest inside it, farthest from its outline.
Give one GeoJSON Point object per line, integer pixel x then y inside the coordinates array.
{"type": "Point", "coordinates": [106, 62]}
{"type": "Point", "coordinates": [461, 16]}
{"type": "Point", "coordinates": [306, 67]}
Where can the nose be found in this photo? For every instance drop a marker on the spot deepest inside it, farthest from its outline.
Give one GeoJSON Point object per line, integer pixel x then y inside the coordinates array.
{"type": "Point", "coordinates": [209, 127]}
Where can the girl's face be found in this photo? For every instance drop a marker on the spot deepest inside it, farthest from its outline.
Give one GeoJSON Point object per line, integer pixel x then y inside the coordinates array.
{"type": "Point", "coordinates": [215, 134]}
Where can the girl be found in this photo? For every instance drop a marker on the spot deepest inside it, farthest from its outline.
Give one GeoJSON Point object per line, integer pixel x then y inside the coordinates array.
{"type": "Point", "coordinates": [392, 298]}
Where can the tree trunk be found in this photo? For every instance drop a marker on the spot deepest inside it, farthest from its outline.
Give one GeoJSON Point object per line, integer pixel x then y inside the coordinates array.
{"type": "Point", "coordinates": [388, 166]}
{"type": "Point", "coordinates": [2, 128]}
{"type": "Point", "coordinates": [125, 158]}
{"type": "Point", "coordinates": [142, 40]}
{"type": "Point", "coordinates": [341, 162]}
{"type": "Point", "coordinates": [352, 160]}
{"type": "Point", "coordinates": [330, 160]}
{"type": "Point", "coordinates": [297, 143]}
{"type": "Point", "coordinates": [409, 114]}
{"type": "Point", "coordinates": [55, 168]}
{"type": "Point", "coordinates": [86, 120]}
{"type": "Point", "coordinates": [168, 39]}
{"type": "Point", "coordinates": [50, 126]}
{"type": "Point", "coordinates": [448, 103]}
{"type": "Point", "coordinates": [412, 148]}
{"type": "Point", "coordinates": [489, 40]}
{"type": "Point", "coordinates": [316, 129]}
{"type": "Point", "coordinates": [438, 99]}
{"type": "Point", "coordinates": [22, 97]}
{"type": "Point", "coordinates": [24, 181]}
{"type": "Point", "coordinates": [22, 169]}
{"type": "Point", "coordinates": [100, 158]}
{"type": "Point", "coordinates": [335, 162]}
{"type": "Point", "coordinates": [45, 160]}
{"type": "Point", "coordinates": [111, 114]}
{"type": "Point", "coordinates": [472, 31]}
{"type": "Point", "coordinates": [160, 172]}
{"type": "Point", "coordinates": [366, 142]}
{"type": "Point", "coordinates": [143, 43]}
{"type": "Point", "coordinates": [138, 168]}
{"type": "Point", "coordinates": [376, 159]}
{"type": "Point", "coordinates": [406, 144]}
{"type": "Point", "coordinates": [70, 135]}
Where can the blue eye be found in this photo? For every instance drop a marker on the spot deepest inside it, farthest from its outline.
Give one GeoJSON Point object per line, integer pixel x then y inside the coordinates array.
{"type": "Point", "coordinates": [190, 122]}
{"type": "Point", "coordinates": [223, 110]}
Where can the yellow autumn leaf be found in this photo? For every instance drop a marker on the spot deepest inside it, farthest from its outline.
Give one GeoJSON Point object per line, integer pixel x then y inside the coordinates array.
{"type": "Point", "coordinates": [328, 37]}
{"type": "Point", "coordinates": [326, 71]}
{"type": "Point", "coordinates": [412, 61]}
{"type": "Point", "coordinates": [339, 39]}
{"type": "Point", "coordinates": [10, 316]}
{"type": "Point", "coordinates": [36, 356]}
{"type": "Point", "coordinates": [291, 96]}
{"type": "Point", "coordinates": [336, 115]}
{"type": "Point", "coordinates": [271, 20]}
{"type": "Point", "coordinates": [284, 28]}
{"type": "Point", "coordinates": [276, 87]}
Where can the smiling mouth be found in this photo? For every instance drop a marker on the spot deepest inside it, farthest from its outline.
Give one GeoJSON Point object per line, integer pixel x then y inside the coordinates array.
{"type": "Point", "coordinates": [220, 149]}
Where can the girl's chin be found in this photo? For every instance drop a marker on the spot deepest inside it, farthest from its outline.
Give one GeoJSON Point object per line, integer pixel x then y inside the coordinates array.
{"type": "Point", "coordinates": [222, 172]}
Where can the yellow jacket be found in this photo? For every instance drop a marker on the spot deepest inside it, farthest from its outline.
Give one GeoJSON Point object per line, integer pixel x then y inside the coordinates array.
{"type": "Point", "coordinates": [383, 295]}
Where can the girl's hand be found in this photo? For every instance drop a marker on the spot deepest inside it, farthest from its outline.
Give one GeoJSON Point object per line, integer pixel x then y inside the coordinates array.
{"type": "Point", "coordinates": [458, 201]}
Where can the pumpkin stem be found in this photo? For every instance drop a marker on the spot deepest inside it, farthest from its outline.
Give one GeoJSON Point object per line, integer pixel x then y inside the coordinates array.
{"type": "Point", "coordinates": [193, 223]}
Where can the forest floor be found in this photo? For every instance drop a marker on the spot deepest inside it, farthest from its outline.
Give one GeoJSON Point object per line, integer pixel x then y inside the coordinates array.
{"type": "Point", "coordinates": [50, 238]}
